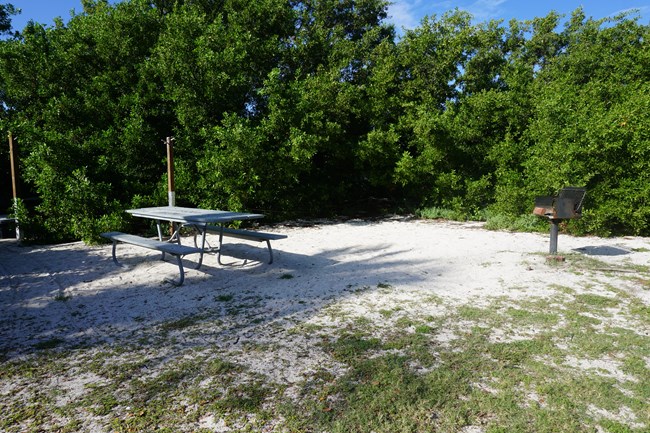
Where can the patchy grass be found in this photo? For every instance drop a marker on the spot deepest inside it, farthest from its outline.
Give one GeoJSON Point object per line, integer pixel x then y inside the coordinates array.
{"type": "Point", "coordinates": [48, 344]}
{"type": "Point", "coordinates": [62, 297]}
{"type": "Point", "coordinates": [223, 298]}
{"type": "Point", "coordinates": [578, 361]}
{"type": "Point", "coordinates": [180, 324]}
{"type": "Point", "coordinates": [551, 380]}
{"type": "Point", "coordinates": [523, 223]}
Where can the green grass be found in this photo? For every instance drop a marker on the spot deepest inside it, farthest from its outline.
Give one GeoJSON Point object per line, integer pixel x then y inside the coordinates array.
{"type": "Point", "coordinates": [182, 323]}
{"type": "Point", "coordinates": [493, 221]}
{"type": "Point", "coordinates": [224, 298]}
{"type": "Point", "coordinates": [523, 384]}
{"type": "Point", "coordinates": [61, 297]}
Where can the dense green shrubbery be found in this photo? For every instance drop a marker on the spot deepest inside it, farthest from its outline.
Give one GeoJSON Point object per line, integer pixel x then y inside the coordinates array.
{"type": "Point", "coordinates": [315, 108]}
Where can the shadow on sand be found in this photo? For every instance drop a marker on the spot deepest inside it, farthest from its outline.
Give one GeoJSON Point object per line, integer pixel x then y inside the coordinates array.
{"type": "Point", "coordinates": [74, 296]}
{"type": "Point", "coordinates": [603, 250]}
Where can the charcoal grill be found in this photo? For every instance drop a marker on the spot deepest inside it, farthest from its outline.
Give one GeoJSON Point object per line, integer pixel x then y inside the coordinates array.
{"type": "Point", "coordinates": [567, 204]}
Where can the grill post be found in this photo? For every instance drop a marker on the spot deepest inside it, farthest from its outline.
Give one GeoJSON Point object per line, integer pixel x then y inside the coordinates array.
{"type": "Point", "coordinates": [555, 229]}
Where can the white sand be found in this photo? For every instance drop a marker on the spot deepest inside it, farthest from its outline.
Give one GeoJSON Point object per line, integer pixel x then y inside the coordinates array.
{"type": "Point", "coordinates": [74, 291]}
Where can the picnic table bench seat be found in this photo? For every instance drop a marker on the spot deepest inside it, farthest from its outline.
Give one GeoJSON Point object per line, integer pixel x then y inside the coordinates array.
{"type": "Point", "coordinates": [173, 249]}
{"type": "Point", "coordinates": [5, 219]}
{"type": "Point", "coordinates": [249, 235]}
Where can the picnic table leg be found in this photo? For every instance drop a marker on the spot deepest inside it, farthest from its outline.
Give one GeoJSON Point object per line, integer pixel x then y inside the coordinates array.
{"type": "Point", "coordinates": [268, 244]}
{"type": "Point", "coordinates": [115, 257]}
{"type": "Point", "coordinates": [181, 271]}
{"type": "Point", "coordinates": [176, 233]}
{"type": "Point", "coordinates": [203, 230]}
{"type": "Point", "coordinates": [220, 244]}
{"type": "Point", "coordinates": [160, 235]}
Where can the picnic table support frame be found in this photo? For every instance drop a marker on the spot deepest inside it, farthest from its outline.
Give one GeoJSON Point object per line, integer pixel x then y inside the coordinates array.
{"type": "Point", "coordinates": [222, 231]}
{"type": "Point", "coordinates": [176, 238]}
{"type": "Point", "coordinates": [173, 249]}
{"type": "Point", "coordinates": [179, 262]}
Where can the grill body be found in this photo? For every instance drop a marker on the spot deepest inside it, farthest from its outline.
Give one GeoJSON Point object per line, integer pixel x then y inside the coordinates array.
{"type": "Point", "coordinates": [567, 204]}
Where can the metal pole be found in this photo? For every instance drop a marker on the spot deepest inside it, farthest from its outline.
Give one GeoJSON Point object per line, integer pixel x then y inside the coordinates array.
{"type": "Point", "coordinates": [13, 158]}
{"type": "Point", "coordinates": [555, 228]}
{"type": "Point", "coordinates": [171, 193]}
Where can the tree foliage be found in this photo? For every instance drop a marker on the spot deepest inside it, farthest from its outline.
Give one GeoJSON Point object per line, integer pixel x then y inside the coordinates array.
{"type": "Point", "coordinates": [315, 107]}
{"type": "Point", "coordinates": [589, 123]}
{"type": "Point", "coordinates": [6, 11]}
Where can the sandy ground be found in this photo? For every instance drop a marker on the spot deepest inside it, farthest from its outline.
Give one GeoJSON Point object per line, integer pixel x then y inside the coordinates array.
{"type": "Point", "coordinates": [316, 265]}
{"type": "Point", "coordinates": [74, 293]}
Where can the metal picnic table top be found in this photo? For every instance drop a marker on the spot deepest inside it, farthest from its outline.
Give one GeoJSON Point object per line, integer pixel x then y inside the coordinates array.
{"type": "Point", "coordinates": [190, 215]}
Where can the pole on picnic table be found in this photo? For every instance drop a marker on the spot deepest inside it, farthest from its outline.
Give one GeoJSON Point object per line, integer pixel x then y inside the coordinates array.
{"type": "Point", "coordinates": [171, 193]}
{"type": "Point", "coordinates": [13, 158]}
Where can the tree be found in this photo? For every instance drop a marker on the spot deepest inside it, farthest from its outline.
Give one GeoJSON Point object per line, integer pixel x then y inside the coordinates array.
{"type": "Point", "coordinates": [587, 127]}
{"type": "Point", "coordinates": [455, 110]}
{"type": "Point", "coordinates": [83, 112]}
{"type": "Point", "coordinates": [6, 11]}
{"type": "Point", "coordinates": [272, 81]}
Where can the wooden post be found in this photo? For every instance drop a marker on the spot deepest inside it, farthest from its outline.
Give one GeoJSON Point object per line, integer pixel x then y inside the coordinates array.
{"type": "Point", "coordinates": [171, 193]}
{"type": "Point", "coordinates": [13, 158]}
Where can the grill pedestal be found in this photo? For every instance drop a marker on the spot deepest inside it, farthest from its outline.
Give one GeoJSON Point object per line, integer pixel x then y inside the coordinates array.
{"type": "Point", "coordinates": [555, 230]}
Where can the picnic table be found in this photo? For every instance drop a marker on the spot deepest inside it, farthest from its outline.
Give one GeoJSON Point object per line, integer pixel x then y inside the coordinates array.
{"type": "Point", "coordinates": [197, 218]}
{"type": "Point", "coordinates": [202, 220]}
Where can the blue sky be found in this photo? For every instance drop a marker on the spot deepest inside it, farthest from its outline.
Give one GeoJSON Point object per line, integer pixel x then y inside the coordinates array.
{"type": "Point", "coordinates": [403, 13]}
{"type": "Point", "coordinates": [409, 13]}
